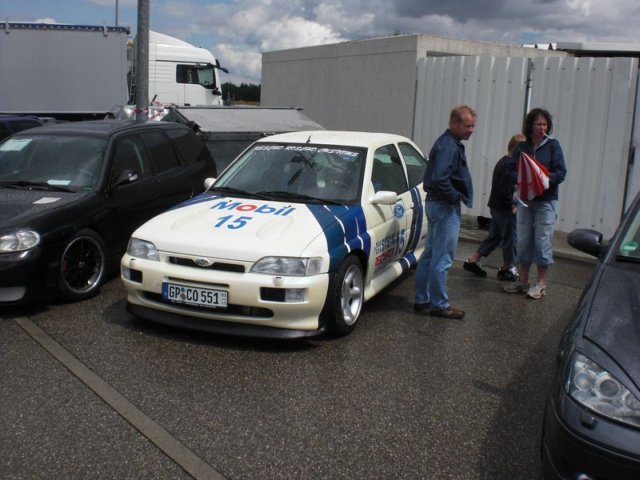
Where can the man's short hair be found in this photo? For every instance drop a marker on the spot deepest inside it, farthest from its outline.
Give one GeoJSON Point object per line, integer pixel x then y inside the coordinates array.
{"type": "Point", "coordinates": [458, 112]}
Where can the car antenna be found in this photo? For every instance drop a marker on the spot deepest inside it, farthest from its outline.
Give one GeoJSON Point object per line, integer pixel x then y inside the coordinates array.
{"type": "Point", "coordinates": [309, 139]}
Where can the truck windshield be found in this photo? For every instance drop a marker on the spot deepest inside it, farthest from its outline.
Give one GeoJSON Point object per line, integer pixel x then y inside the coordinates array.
{"type": "Point", "coordinates": [196, 75]}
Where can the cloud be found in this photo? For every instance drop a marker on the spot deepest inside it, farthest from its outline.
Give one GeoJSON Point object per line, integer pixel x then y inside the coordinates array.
{"type": "Point", "coordinates": [238, 31]}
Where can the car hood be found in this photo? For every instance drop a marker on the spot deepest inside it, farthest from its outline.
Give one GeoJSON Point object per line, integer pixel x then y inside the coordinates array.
{"type": "Point", "coordinates": [247, 229]}
{"type": "Point", "coordinates": [21, 207]}
{"type": "Point", "coordinates": [614, 318]}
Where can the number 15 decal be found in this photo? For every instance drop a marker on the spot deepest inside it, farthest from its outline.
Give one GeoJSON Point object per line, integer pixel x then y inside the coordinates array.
{"type": "Point", "coordinates": [232, 222]}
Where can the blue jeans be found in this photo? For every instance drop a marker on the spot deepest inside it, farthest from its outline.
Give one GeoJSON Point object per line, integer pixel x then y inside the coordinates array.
{"type": "Point", "coordinates": [535, 232]}
{"type": "Point", "coordinates": [443, 227]}
{"type": "Point", "coordinates": [502, 231]}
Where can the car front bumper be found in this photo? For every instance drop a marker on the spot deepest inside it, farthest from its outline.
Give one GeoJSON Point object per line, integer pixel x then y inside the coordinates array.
{"type": "Point", "coordinates": [254, 305]}
{"type": "Point", "coordinates": [26, 277]}
{"type": "Point", "coordinates": [578, 444]}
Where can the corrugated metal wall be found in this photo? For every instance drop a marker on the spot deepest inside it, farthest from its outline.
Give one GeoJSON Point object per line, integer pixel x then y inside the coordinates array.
{"type": "Point", "coordinates": [592, 101]}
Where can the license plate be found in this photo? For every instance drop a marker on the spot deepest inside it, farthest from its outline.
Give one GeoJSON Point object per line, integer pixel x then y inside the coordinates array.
{"type": "Point", "coordinates": [201, 297]}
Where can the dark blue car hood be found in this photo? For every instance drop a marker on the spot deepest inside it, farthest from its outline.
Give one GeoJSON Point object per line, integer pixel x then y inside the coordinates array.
{"type": "Point", "coordinates": [614, 319]}
{"type": "Point", "coordinates": [19, 208]}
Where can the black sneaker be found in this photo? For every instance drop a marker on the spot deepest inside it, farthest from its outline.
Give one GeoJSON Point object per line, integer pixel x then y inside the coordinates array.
{"type": "Point", "coordinates": [508, 274]}
{"type": "Point", "coordinates": [422, 307]}
{"type": "Point", "coordinates": [475, 268]}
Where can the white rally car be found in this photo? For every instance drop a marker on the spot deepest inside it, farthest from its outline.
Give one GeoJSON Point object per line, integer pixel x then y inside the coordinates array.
{"type": "Point", "coordinates": [290, 241]}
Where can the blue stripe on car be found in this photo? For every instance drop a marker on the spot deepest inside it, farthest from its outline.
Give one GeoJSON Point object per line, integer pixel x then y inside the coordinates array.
{"type": "Point", "coordinates": [409, 259]}
{"type": "Point", "coordinates": [345, 229]}
{"type": "Point", "coordinates": [203, 197]}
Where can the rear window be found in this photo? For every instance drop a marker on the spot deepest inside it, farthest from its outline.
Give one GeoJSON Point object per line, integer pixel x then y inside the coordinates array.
{"type": "Point", "coordinates": [190, 147]}
{"type": "Point", "coordinates": [162, 154]}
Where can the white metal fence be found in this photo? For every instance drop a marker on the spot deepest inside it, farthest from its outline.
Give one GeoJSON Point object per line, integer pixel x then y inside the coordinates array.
{"type": "Point", "coordinates": [592, 100]}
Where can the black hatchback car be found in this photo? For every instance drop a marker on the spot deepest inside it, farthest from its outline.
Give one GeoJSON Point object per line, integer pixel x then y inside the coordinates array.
{"type": "Point", "coordinates": [592, 419]}
{"type": "Point", "coordinates": [73, 193]}
{"type": "Point", "coordinates": [10, 124]}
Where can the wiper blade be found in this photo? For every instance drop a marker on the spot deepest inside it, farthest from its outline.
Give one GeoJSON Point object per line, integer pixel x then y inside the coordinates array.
{"type": "Point", "coordinates": [238, 192]}
{"type": "Point", "coordinates": [622, 258]}
{"type": "Point", "coordinates": [36, 185]}
{"type": "Point", "coordinates": [298, 196]}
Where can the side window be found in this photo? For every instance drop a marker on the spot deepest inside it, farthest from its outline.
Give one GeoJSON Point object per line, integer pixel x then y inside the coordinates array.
{"type": "Point", "coordinates": [4, 131]}
{"type": "Point", "coordinates": [415, 162]}
{"type": "Point", "coordinates": [187, 74]}
{"type": "Point", "coordinates": [129, 154]}
{"type": "Point", "coordinates": [190, 148]}
{"type": "Point", "coordinates": [387, 173]}
{"type": "Point", "coordinates": [163, 157]}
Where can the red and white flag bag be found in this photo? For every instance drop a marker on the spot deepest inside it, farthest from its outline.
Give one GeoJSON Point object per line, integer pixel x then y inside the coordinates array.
{"type": "Point", "coordinates": [533, 177]}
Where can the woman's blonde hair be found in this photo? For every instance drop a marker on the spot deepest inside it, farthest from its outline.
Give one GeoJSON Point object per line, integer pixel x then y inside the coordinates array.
{"type": "Point", "coordinates": [515, 140]}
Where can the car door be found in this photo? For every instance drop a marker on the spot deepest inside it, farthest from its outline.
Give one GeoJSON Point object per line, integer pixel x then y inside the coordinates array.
{"type": "Point", "coordinates": [391, 234]}
{"type": "Point", "coordinates": [415, 165]}
{"type": "Point", "coordinates": [174, 181]}
{"type": "Point", "coordinates": [133, 189]}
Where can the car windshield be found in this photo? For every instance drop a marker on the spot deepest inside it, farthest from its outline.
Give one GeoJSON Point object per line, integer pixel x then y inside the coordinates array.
{"type": "Point", "coordinates": [629, 248]}
{"type": "Point", "coordinates": [62, 162]}
{"type": "Point", "coordinates": [304, 173]}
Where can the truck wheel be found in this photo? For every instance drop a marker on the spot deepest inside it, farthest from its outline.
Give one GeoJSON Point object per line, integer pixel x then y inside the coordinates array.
{"type": "Point", "coordinates": [346, 296]}
{"type": "Point", "coordinates": [82, 266]}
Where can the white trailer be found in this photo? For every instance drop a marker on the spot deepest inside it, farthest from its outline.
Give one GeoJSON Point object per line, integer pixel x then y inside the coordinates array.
{"type": "Point", "coordinates": [71, 71]}
{"type": "Point", "coordinates": [74, 72]}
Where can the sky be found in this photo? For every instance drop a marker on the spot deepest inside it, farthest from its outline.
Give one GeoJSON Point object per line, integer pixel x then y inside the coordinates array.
{"type": "Point", "coordinates": [238, 31]}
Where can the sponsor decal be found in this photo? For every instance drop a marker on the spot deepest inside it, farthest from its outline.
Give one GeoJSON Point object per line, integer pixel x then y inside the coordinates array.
{"type": "Point", "coordinates": [235, 222]}
{"type": "Point", "coordinates": [389, 248]}
{"type": "Point", "coordinates": [249, 207]}
{"type": "Point", "coordinates": [398, 210]}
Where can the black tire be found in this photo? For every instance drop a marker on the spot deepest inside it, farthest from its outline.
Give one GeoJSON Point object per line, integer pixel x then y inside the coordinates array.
{"type": "Point", "coordinates": [346, 297]}
{"type": "Point", "coordinates": [82, 266]}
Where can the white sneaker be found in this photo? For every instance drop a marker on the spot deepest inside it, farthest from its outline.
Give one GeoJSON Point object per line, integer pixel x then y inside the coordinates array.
{"type": "Point", "coordinates": [537, 291]}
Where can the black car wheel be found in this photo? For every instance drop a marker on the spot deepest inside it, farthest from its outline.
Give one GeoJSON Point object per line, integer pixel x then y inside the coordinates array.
{"type": "Point", "coordinates": [346, 296]}
{"type": "Point", "coordinates": [82, 266]}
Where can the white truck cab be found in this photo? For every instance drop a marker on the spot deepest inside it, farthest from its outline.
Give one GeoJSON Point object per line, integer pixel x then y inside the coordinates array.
{"type": "Point", "coordinates": [182, 74]}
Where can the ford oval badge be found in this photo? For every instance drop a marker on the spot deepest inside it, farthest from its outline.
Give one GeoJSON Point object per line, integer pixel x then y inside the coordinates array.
{"type": "Point", "coordinates": [203, 262]}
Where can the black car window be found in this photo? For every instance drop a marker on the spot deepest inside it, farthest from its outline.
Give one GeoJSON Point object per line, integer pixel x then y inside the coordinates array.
{"type": "Point", "coordinates": [69, 161]}
{"type": "Point", "coordinates": [163, 156]}
{"type": "Point", "coordinates": [129, 154]}
{"type": "Point", "coordinates": [416, 164]}
{"type": "Point", "coordinates": [190, 147]}
{"type": "Point", "coordinates": [388, 173]}
{"type": "Point", "coordinates": [4, 131]}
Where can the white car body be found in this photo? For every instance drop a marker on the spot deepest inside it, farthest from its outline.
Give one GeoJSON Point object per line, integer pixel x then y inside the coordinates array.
{"type": "Point", "coordinates": [207, 247]}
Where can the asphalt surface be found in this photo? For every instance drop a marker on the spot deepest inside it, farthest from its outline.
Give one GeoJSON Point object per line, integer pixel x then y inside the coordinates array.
{"type": "Point", "coordinates": [87, 391]}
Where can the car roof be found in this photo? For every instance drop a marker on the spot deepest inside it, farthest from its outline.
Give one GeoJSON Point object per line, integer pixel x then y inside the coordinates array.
{"type": "Point", "coordinates": [9, 117]}
{"type": "Point", "coordinates": [333, 137]}
{"type": "Point", "coordinates": [101, 128]}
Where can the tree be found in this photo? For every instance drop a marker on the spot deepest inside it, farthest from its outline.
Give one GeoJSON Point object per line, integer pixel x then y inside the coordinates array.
{"type": "Point", "coordinates": [242, 93]}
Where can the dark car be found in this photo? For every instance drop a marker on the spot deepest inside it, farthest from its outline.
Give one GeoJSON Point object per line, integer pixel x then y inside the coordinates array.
{"type": "Point", "coordinates": [592, 420]}
{"type": "Point", "coordinates": [73, 193]}
{"type": "Point", "coordinates": [10, 124]}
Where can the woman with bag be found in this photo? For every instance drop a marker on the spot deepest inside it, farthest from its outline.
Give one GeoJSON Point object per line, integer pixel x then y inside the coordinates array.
{"type": "Point", "coordinates": [536, 217]}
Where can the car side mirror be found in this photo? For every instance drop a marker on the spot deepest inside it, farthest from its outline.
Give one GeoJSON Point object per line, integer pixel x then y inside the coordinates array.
{"type": "Point", "coordinates": [384, 197]}
{"type": "Point", "coordinates": [208, 182]}
{"type": "Point", "coordinates": [587, 241]}
{"type": "Point", "coordinates": [125, 177]}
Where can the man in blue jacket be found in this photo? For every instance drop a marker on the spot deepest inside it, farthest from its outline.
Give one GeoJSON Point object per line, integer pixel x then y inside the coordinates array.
{"type": "Point", "coordinates": [447, 182]}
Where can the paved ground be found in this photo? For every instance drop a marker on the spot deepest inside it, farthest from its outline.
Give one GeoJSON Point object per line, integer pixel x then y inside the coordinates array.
{"type": "Point", "coordinates": [87, 391]}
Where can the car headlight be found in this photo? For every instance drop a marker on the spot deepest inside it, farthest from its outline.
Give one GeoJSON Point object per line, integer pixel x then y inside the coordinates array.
{"type": "Point", "coordinates": [598, 390]}
{"type": "Point", "coordinates": [142, 249]}
{"type": "Point", "coordinates": [288, 266]}
{"type": "Point", "coordinates": [19, 241]}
